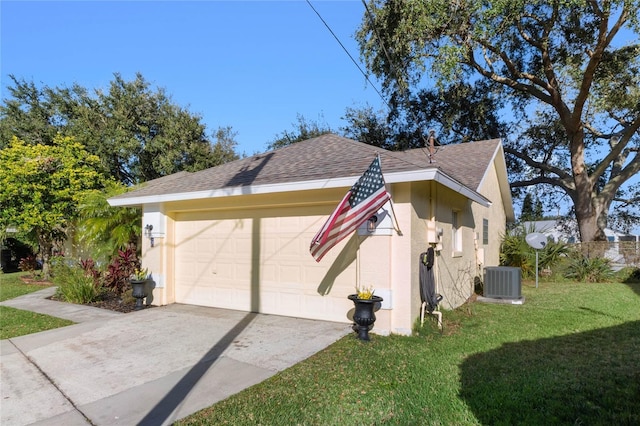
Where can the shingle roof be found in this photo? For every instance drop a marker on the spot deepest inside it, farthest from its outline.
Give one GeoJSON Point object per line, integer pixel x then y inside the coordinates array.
{"type": "Point", "coordinates": [465, 162]}
{"type": "Point", "coordinates": [325, 157]}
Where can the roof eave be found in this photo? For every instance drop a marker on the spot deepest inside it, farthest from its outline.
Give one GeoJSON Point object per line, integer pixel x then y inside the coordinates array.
{"type": "Point", "coordinates": [343, 182]}
{"type": "Point", "coordinates": [440, 177]}
{"type": "Point", "coordinates": [231, 191]}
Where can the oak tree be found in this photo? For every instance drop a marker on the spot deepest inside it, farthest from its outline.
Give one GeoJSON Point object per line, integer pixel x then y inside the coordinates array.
{"type": "Point", "coordinates": [566, 72]}
{"type": "Point", "coordinates": [138, 132]}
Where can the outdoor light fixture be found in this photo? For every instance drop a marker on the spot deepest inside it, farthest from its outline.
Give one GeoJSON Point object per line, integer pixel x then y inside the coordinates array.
{"type": "Point", "coordinates": [147, 231]}
{"type": "Point", "coordinates": [371, 223]}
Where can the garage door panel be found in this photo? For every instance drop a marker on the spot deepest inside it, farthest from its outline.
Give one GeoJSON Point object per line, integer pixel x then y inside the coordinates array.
{"type": "Point", "coordinates": [215, 266]}
{"type": "Point", "coordinates": [223, 271]}
{"type": "Point", "coordinates": [269, 273]}
{"type": "Point", "coordinates": [282, 246]}
{"type": "Point", "coordinates": [233, 298]}
{"type": "Point", "coordinates": [210, 295]}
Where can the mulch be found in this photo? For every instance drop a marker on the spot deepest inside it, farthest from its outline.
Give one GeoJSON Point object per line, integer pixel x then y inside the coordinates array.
{"type": "Point", "coordinates": [35, 281]}
{"type": "Point", "coordinates": [113, 302]}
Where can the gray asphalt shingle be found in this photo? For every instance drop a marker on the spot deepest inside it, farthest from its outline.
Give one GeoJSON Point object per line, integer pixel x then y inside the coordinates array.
{"type": "Point", "coordinates": [325, 157]}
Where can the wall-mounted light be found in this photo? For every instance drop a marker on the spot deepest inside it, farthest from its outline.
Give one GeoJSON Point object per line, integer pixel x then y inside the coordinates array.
{"type": "Point", "coordinates": [371, 223]}
{"type": "Point", "coordinates": [147, 232]}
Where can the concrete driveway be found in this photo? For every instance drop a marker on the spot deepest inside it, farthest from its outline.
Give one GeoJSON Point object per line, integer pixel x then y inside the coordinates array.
{"type": "Point", "coordinates": [150, 367]}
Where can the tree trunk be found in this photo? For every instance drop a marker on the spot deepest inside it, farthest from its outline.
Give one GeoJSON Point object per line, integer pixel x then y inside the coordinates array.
{"type": "Point", "coordinates": [591, 216]}
{"type": "Point", "coordinates": [46, 247]}
{"type": "Point", "coordinates": [589, 209]}
{"type": "Point", "coordinates": [589, 230]}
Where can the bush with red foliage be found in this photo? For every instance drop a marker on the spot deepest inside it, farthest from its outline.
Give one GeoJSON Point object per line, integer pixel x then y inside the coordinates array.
{"type": "Point", "coordinates": [28, 264]}
{"type": "Point", "coordinates": [116, 278]}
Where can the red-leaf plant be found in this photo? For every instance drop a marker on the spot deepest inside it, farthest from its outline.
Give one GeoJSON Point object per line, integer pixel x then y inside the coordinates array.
{"type": "Point", "coordinates": [117, 275]}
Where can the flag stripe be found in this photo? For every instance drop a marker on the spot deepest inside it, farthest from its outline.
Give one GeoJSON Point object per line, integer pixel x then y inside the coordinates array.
{"type": "Point", "coordinates": [343, 226]}
{"type": "Point", "coordinates": [347, 219]}
{"type": "Point", "coordinates": [365, 198]}
{"type": "Point", "coordinates": [340, 234]}
{"type": "Point", "coordinates": [323, 234]}
{"type": "Point", "coordinates": [352, 219]}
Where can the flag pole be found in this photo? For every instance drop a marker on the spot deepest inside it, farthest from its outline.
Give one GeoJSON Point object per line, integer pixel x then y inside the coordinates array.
{"type": "Point", "coordinates": [396, 225]}
{"type": "Point", "coordinates": [395, 218]}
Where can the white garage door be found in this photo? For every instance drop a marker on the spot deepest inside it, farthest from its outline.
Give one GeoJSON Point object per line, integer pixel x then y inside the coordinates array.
{"type": "Point", "coordinates": [260, 263]}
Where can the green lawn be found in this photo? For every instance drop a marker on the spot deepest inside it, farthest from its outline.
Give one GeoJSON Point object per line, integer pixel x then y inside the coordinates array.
{"type": "Point", "coordinates": [569, 355]}
{"type": "Point", "coordinates": [16, 322]}
{"type": "Point", "coordinates": [11, 286]}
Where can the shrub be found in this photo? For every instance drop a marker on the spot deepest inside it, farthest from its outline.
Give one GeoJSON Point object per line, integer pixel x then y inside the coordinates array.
{"type": "Point", "coordinates": [552, 254]}
{"type": "Point", "coordinates": [122, 266]}
{"type": "Point", "coordinates": [629, 275]}
{"type": "Point", "coordinates": [74, 284]}
{"type": "Point", "coordinates": [583, 268]}
{"type": "Point", "coordinates": [13, 251]}
{"type": "Point", "coordinates": [515, 251]}
{"type": "Point", "coordinates": [28, 264]}
{"type": "Point", "coordinates": [90, 269]}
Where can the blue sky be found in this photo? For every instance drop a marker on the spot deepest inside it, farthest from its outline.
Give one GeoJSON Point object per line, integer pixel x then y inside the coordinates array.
{"type": "Point", "coordinates": [250, 65]}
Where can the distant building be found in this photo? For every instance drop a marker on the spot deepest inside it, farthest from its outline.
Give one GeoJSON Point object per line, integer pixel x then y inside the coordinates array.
{"type": "Point", "coordinates": [554, 230]}
{"type": "Point", "coordinates": [623, 249]}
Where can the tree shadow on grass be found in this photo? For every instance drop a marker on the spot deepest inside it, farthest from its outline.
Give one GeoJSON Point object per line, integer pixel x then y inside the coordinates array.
{"type": "Point", "coordinates": [585, 378]}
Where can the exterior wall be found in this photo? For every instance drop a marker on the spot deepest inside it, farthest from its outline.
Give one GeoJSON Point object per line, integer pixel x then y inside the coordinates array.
{"type": "Point", "coordinates": [404, 273]}
{"type": "Point", "coordinates": [154, 258]}
{"type": "Point", "coordinates": [373, 263]}
{"type": "Point", "coordinates": [323, 286]}
{"type": "Point", "coordinates": [423, 209]}
{"type": "Point", "coordinates": [387, 261]}
{"type": "Point", "coordinates": [495, 214]}
{"type": "Point", "coordinates": [456, 269]}
{"type": "Point", "coordinates": [382, 261]}
{"type": "Point", "coordinates": [391, 262]}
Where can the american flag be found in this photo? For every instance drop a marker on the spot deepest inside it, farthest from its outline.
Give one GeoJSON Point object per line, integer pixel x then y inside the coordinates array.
{"type": "Point", "coordinates": [364, 198]}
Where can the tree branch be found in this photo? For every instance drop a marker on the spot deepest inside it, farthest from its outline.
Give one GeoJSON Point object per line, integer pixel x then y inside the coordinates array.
{"type": "Point", "coordinates": [596, 8]}
{"type": "Point", "coordinates": [543, 180]}
{"type": "Point", "coordinates": [614, 183]}
{"type": "Point", "coordinates": [595, 57]}
{"type": "Point", "coordinates": [617, 149]}
{"type": "Point", "coordinates": [627, 201]}
{"type": "Point", "coordinates": [527, 88]}
{"type": "Point", "coordinates": [562, 175]}
{"type": "Point", "coordinates": [547, 64]}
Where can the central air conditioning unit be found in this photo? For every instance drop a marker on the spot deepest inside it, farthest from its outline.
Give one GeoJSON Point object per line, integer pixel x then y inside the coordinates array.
{"type": "Point", "coordinates": [502, 282]}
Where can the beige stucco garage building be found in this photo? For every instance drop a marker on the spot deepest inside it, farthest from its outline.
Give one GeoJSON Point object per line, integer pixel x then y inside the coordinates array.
{"type": "Point", "coordinates": [237, 236]}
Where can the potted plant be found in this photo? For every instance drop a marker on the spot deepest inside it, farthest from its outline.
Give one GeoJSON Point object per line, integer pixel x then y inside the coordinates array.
{"type": "Point", "coordinates": [364, 316]}
{"type": "Point", "coordinates": [138, 280]}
